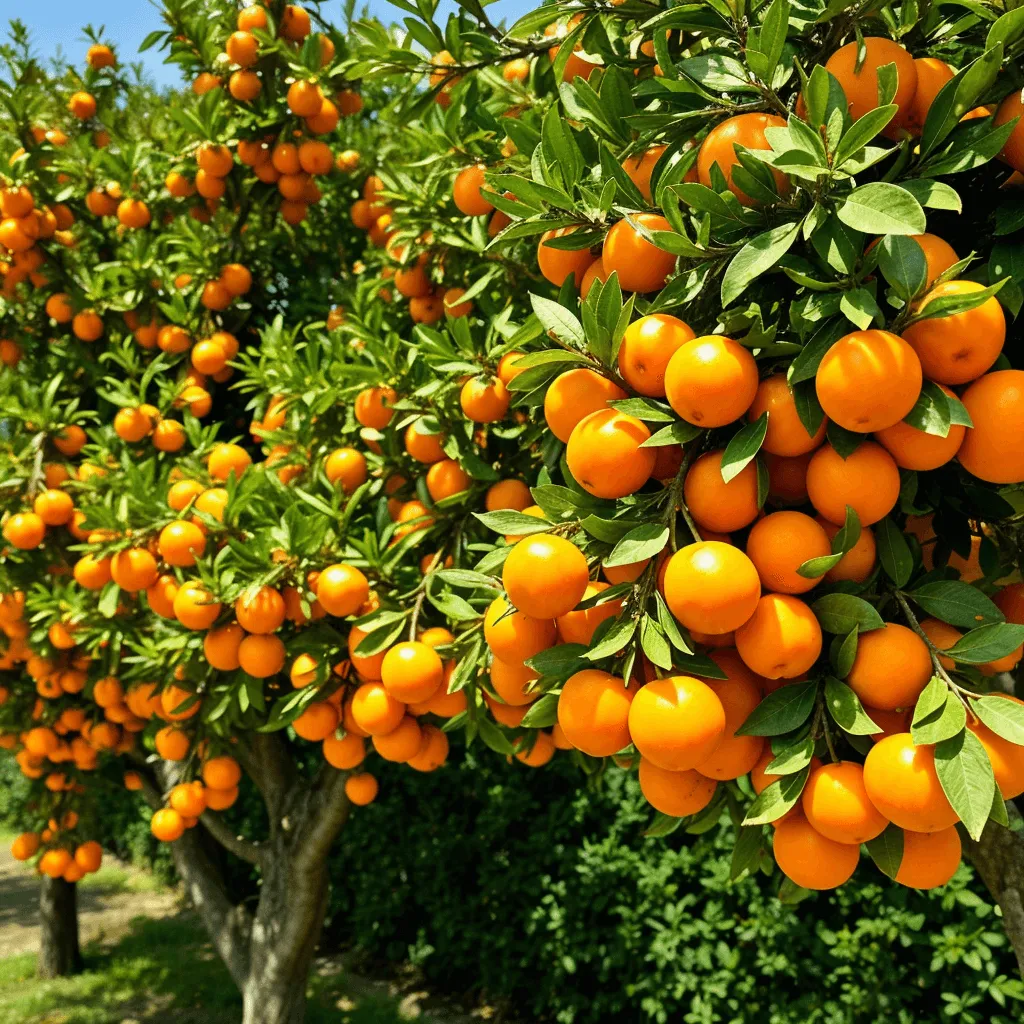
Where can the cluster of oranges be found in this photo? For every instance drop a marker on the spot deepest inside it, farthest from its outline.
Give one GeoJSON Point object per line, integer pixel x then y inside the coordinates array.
{"type": "Point", "coordinates": [23, 225]}
{"type": "Point", "coordinates": [216, 790]}
{"type": "Point", "coordinates": [70, 861]}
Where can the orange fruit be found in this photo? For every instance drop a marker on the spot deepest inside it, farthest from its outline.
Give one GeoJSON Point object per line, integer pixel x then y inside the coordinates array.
{"type": "Point", "coordinates": [433, 750]}
{"type": "Point", "coordinates": [901, 782]}
{"type": "Point", "coordinates": [260, 611]}
{"type": "Point", "coordinates": [579, 626]}
{"type": "Point", "coordinates": [557, 264]}
{"type": "Point", "coordinates": [574, 395]}
{"type": "Point", "coordinates": [375, 711]}
{"type": "Point", "coordinates": [836, 804]}
{"type": "Point", "coordinates": [447, 478]}
{"type": "Point", "coordinates": [861, 86]}
{"type": "Point", "coordinates": [930, 859]}
{"type": "Point", "coordinates": [932, 75]}
{"type": "Point", "coordinates": [958, 348]}
{"type": "Point", "coordinates": [739, 693]}
{"type": "Point", "coordinates": [782, 639]}
{"type": "Point", "coordinates": [506, 494]}
{"type": "Point", "coordinates": [604, 454]}
{"type": "Point", "coordinates": [640, 265]}
{"type": "Point", "coordinates": [194, 606]}
{"type": "Point", "coordinates": [868, 480]}
{"type": "Point", "coordinates": [711, 587]}
{"type": "Point", "coordinates": [53, 507]}
{"type": "Point", "coordinates": [373, 407]}
{"type": "Point", "coordinates": [188, 799]}
{"type": "Point", "coordinates": [401, 743]}
{"type": "Point", "coordinates": [646, 349]}
{"type": "Point", "coordinates": [484, 399]}
{"type": "Point", "coordinates": [786, 435]}
{"type": "Point", "coordinates": [347, 467]}
{"type": "Point", "coordinates": [512, 636]}
{"type": "Point", "coordinates": [812, 860]}
{"type": "Point", "coordinates": [914, 449]}
{"type": "Point", "coordinates": [711, 381]}
{"type": "Point", "coordinates": [226, 459]}
{"type": "Point", "coordinates": [466, 192]}
{"type": "Point", "coordinates": [261, 655]}
{"type": "Point", "coordinates": [220, 646]}
{"type": "Point", "coordinates": [318, 721]}
{"type": "Point", "coordinates": [868, 380]}
{"type": "Point", "coordinates": [25, 530]}
{"type": "Point", "coordinates": [716, 505]}
{"type": "Point", "coordinates": [412, 672]}
{"type": "Point", "coordinates": [677, 723]}
{"type": "Point", "coordinates": [345, 753]}
{"type": "Point", "coordinates": [545, 576]}
{"type": "Point", "coordinates": [221, 773]}
{"type": "Point", "coordinates": [719, 147]}
{"type": "Point", "coordinates": [422, 446]}
{"type": "Point", "coordinates": [361, 789]}
{"type": "Point", "coordinates": [509, 682]}
{"type": "Point", "coordinates": [171, 743]}
{"type": "Point", "coordinates": [1007, 758]}
{"type": "Point", "coordinates": [995, 403]}
{"type": "Point", "coordinates": [593, 712]}
{"type": "Point", "coordinates": [181, 543]}
{"type": "Point", "coordinates": [134, 569]}
{"type": "Point", "coordinates": [676, 793]}
{"type": "Point", "coordinates": [1012, 107]}
{"type": "Point", "coordinates": [779, 544]}
{"type": "Point", "coordinates": [892, 667]}
{"type": "Point", "coordinates": [342, 590]}
{"type": "Point", "coordinates": [859, 562]}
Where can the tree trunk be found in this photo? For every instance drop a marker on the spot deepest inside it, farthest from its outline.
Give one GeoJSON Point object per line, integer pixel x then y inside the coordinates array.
{"type": "Point", "coordinates": [58, 918]}
{"type": "Point", "coordinates": [999, 859]}
{"type": "Point", "coordinates": [285, 931]}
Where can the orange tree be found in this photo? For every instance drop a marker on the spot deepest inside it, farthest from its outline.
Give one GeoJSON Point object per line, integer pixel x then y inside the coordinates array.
{"type": "Point", "coordinates": [637, 382]}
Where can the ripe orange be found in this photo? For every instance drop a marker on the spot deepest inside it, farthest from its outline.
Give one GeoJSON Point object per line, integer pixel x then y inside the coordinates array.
{"type": "Point", "coordinates": [262, 611]}
{"type": "Point", "coordinates": [345, 753]}
{"type": "Point", "coordinates": [423, 447]}
{"type": "Point", "coordinates": [747, 130]}
{"type": "Point", "coordinates": [640, 167]}
{"type": "Point", "coordinates": [412, 672]}
{"type": "Point", "coordinates": [868, 480]}
{"type": "Point", "coordinates": [509, 682]}
{"type": "Point", "coordinates": [1012, 107]}
{"type": "Point", "coordinates": [595, 272]}
{"type": "Point", "coordinates": [506, 494]}
{"type": "Point", "coordinates": [433, 750]}
{"type": "Point", "coordinates": [134, 569]}
{"type": "Point", "coordinates": [221, 799]}
{"type": "Point", "coordinates": [447, 478]}
{"type": "Point", "coordinates": [466, 192]}
{"type": "Point", "coordinates": [711, 587]}
{"type": "Point", "coordinates": [194, 606]}
{"type": "Point", "coordinates": [779, 544]}
{"type": "Point", "coordinates": [901, 782]}
{"type": "Point", "coordinates": [594, 710]}
{"type": "Point", "coordinates": [545, 576]}
{"type": "Point", "coordinates": [676, 793]}
{"type": "Point", "coordinates": [221, 773]}
{"type": "Point", "coordinates": [930, 859]}
{"type": "Point", "coordinates": [558, 264]}
{"type": "Point", "coordinates": [782, 639]}
{"type": "Point", "coordinates": [1007, 758]}
{"type": "Point", "coordinates": [53, 507]}
{"type": "Point", "coordinates": [318, 721]}
{"type": "Point", "coordinates": [646, 349]}
{"type": "Point", "coordinates": [676, 723]}
{"type": "Point", "coordinates": [574, 395]}
{"type": "Point", "coordinates": [484, 399]}
{"type": "Point", "coordinates": [347, 466]}
{"type": "Point", "coordinates": [932, 75]}
{"type": "Point", "coordinates": [990, 451]}
{"type": "Point", "coordinates": [579, 626]}
{"type": "Point", "coordinates": [786, 434]}
{"type": "Point", "coordinates": [361, 789]}
{"type": "Point", "coordinates": [859, 562]}
{"type": "Point", "coordinates": [342, 590]}
{"type": "Point", "coordinates": [868, 380]}
{"type": "Point", "coordinates": [305, 98]}
{"type": "Point", "coordinates": [861, 87]}
{"type": "Point", "coordinates": [711, 381]}
{"type": "Point", "coordinates": [836, 804]}
{"type": "Point", "coordinates": [171, 743]}
{"type": "Point", "coordinates": [914, 449]}
{"type": "Point", "coordinates": [605, 457]}
{"type": "Point", "coordinates": [375, 711]}
{"type": "Point", "coordinates": [958, 348]}
{"type": "Point", "coordinates": [808, 858]}
{"type": "Point", "coordinates": [641, 266]}
{"type": "Point", "coordinates": [401, 743]}
{"type": "Point", "coordinates": [220, 646]}
{"type": "Point", "coordinates": [261, 655]}
{"type": "Point", "coordinates": [512, 636]}
{"type": "Point", "coordinates": [25, 530]}
{"type": "Point", "coordinates": [739, 693]}
{"type": "Point", "coordinates": [716, 505]}
{"type": "Point", "coordinates": [188, 799]}
{"type": "Point", "coordinates": [226, 459]}
{"type": "Point", "coordinates": [181, 543]}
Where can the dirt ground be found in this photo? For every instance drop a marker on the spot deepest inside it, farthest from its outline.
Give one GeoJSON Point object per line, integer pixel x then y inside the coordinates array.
{"type": "Point", "coordinates": [104, 914]}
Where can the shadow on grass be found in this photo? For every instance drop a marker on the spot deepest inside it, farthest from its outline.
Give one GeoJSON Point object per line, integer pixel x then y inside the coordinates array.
{"type": "Point", "coordinates": [162, 972]}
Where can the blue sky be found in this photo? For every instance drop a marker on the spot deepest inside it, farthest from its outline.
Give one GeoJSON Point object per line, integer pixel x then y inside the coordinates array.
{"type": "Point", "coordinates": [54, 23]}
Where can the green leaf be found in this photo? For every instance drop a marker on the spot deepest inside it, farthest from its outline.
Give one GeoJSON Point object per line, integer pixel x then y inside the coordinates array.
{"type": "Point", "coordinates": [782, 711]}
{"type": "Point", "coordinates": [949, 305]}
{"type": "Point", "coordinates": [644, 409]}
{"type": "Point", "coordinates": [901, 260]}
{"type": "Point", "coordinates": [893, 552]}
{"type": "Point", "coordinates": [792, 757]}
{"type": "Point", "coordinates": [932, 411]}
{"type": "Point", "coordinates": [758, 256]}
{"type": "Point", "coordinates": [743, 446]}
{"type": "Point", "coordinates": [957, 603]}
{"type": "Point", "coordinates": [931, 699]}
{"type": "Point", "coordinates": [790, 893]}
{"type": "Point", "coordinates": [881, 208]}
{"type": "Point", "coordinates": [559, 321]}
{"type": "Point", "coordinates": [862, 131]}
{"type": "Point", "coordinates": [843, 653]}
{"type": "Point", "coordinates": [886, 850]}
{"type": "Point", "coordinates": [987, 643]}
{"type": "Point", "coordinates": [641, 542]}
{"type": "Point", "coordinates": [675, 433]}
{"type": "Point", "coordinates": [746, 851]}
{"type": "Point", "coordinates": [815, 568]}
{"type": "Point", "coordinates": [467, 578]}
{"type": "Point", "coordinates": [654, 644]}
{"type": "Point", "coordinates": [494, 737]}
{"type": "Point", "coordinates": [958, 96]}
{"type": "Point", "coordinates": [846, 709]}
{"type": "Point", "coordinates": [614, 640]}
{"type": "Point", "coordinates": [778, 798]}
{"type": "Point", "coordinates": [839, 613]}
{"type": "Point", "coordinates": [663, 825]}
{"type": "Point", "coordinates": [1004, 717]}
{"type": "Point", "coordinates": [507, 521]}
{"type": "Point", "coordinates": [966, 777]}
{"type": "Point", "coordinates": [941, 724]}
{"type": "Point", "coordinates": [559, 662]}
{"type": "Point", "coordinates": [936, 195]}
{"type": "Point", "coordinates": [542, 713]}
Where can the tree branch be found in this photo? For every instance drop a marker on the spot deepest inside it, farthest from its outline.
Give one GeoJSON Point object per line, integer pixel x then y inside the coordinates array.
{"type": "Point", "coordinates": [266, 761]}
{"type": "Point", "coordinates": [241, 847]}
{"type": "Point", "coordinates": [323, 811]}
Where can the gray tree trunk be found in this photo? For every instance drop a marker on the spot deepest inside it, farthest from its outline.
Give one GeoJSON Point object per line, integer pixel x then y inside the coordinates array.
{"type": "Point", "coordinates": [59, 953]}
{"type": "Point", "coordinates": [268, 951]}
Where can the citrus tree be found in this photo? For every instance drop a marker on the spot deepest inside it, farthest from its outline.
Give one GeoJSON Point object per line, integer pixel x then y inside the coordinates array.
{"type": "Point", "coordinates": [639, 382]}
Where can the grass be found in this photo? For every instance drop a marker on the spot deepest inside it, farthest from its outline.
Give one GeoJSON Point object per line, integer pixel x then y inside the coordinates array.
{"type": "Point", "coordinates": [157, 973]}
{"type": "Point", "coordinates": [114, 878]}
